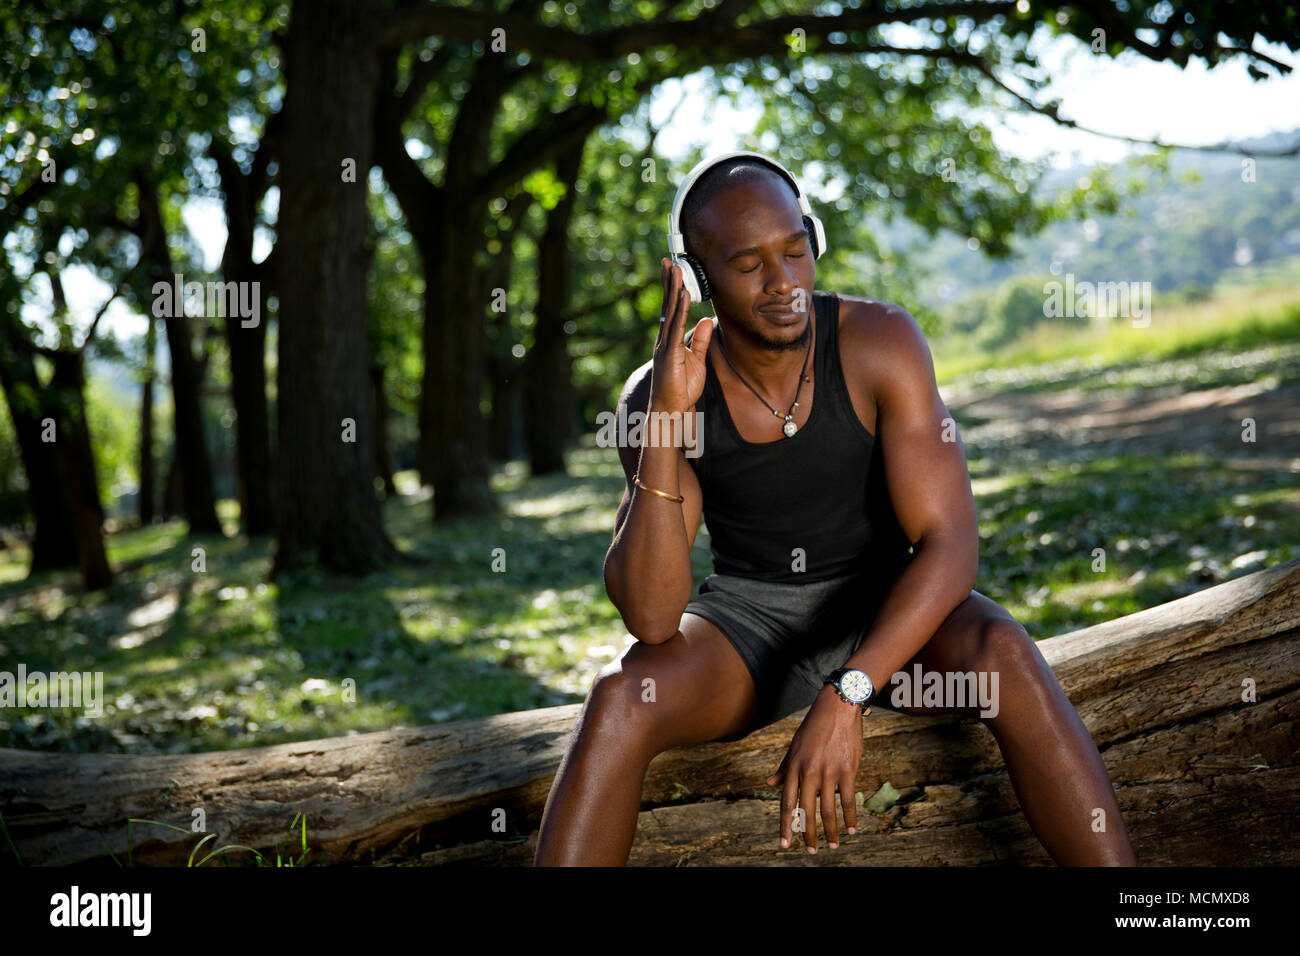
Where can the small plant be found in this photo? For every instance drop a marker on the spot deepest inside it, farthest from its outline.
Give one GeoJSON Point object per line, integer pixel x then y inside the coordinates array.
{"type": "Point", "coordinates": [280, 859]}
{"type": "Point", "coordinates": [4, 829]}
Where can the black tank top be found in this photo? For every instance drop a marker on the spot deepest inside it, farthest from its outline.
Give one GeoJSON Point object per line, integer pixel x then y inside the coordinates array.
{"type": "Point", "coordinates": [821, 490]}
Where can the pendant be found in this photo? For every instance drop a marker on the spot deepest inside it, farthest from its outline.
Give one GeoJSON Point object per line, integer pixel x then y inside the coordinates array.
{"type": "Point", "coordinates": [789, 428]}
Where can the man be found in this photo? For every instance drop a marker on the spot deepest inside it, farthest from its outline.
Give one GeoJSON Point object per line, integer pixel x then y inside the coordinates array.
{"type": "Point", "coordinates": [844, 541]}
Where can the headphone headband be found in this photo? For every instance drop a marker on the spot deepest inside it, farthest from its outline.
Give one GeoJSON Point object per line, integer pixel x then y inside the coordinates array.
{"type": "Point", "coordinates": [696, 283]}
{"type": "Point", "coordinates": [676, 241]}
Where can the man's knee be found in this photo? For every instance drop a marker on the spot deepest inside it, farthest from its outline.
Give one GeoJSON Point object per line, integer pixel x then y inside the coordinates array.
{"type": "Point", "coordinates": [1004, 645]}
{"type": "Point", "coordinates": [623, 696]}
{"type": "Point", "coordinates": [1003, 650]}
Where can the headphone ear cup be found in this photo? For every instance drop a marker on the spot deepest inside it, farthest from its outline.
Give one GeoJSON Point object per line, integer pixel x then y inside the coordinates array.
{"type": "Point", "coordinates": [702, 281]}
{"type": "Point", "coordinates": [812, 237]}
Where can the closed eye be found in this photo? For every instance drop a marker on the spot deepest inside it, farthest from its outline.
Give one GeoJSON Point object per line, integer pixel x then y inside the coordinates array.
{"type": "Point", "coordinates": [792, 255]}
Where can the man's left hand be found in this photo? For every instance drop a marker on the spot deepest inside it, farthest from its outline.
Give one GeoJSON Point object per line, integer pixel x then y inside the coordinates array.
{"type": "Point", "coordinates": [823, 755]}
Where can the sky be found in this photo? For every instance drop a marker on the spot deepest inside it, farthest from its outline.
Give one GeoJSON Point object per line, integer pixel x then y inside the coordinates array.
{"type": "Point", "coordinates": [1129, 95]}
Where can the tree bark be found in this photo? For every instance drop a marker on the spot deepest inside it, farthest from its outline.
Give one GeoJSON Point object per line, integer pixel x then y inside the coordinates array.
{"type": "Point", "coordinates": [1203, 778]}
{"type": "Point", "coordinates": [173, 500]}
{"type": "Point", "coordinates": [453, 438]}
{"type": "Point", "coordinates": [504, 371]}
{"type": "Point", "coordinates": [54, 539]}
{"type": "Point", "coordinates": [327, 508]}
{"type": "Point", "coordinates": [65, 402]}
{"type": "Point", "coordinates": [507, 406]}
{"type": "Point", "coordinates": [147, 471]}
{"type": "Point", "coordinates": [383, 456]}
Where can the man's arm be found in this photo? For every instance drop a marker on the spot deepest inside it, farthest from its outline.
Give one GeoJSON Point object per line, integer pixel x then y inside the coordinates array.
{"type": "Point", "coordinates": [648, 567]}
{"type": "Point", "coordinates": [929, 486]}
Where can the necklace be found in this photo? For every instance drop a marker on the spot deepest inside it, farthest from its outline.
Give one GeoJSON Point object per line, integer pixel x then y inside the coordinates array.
{"type": "Point", "coordinates": [789, 427]}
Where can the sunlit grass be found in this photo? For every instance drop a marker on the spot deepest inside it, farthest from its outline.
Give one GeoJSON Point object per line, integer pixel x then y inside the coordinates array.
{"type": "Point", "coordinates": [236, 661]}
{"type": "Point", "coordinates": [1161, 527]}
{"type": "Point", "coordinates": [1235, 319]}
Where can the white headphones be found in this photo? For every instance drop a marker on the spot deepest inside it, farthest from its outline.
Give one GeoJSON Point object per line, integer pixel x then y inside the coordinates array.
{"type": "Point", "coordinates": [694, 280]}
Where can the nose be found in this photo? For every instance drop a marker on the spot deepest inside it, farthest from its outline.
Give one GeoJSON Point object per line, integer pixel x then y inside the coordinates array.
{"type": "Point", "coordinates": [785, 279]}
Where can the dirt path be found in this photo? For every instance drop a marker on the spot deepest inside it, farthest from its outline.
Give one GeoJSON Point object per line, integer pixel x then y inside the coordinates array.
{"type": "Point", "coordinates": [1074, 423]}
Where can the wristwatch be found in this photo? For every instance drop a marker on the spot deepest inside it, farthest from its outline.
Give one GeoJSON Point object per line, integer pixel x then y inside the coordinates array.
{"type": "Point", "coordinates": [853, 686]}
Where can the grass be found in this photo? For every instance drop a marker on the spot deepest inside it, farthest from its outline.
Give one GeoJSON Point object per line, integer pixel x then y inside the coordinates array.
{"type": "Point", "coordinates": [220, 659]}
{"type": "Point", "coordinates": [1071, 544]}
{"type": "Point", "coordinates": [261, 860]}
{"type": "Point", "coordinates": [1235, 320]}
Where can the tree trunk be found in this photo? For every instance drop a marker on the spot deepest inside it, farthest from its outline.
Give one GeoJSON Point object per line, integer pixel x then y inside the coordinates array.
{"type": "Point", "coordinates": [252, 431]}
{"type": "Point", "coordinates": [54, 540]}
{"type": "Point", "coordinates": [173, 503]}
{"type": "Point", "coordinates": [548, 376]}
{"type": "Point", "coordinates": [504, 370]}
{"type": "Point", "coordinates": [327, 508]}
{"type": "Point", "coordinates": [191, 448]}
{"type": "Point", "coordinates": [507, 406]}
{"type": "Point", "coordinates": [147, 479]}
{"type": "Point", "coordinates": [247, 346]}
{"type": "Point", "coordinates": [1203, 778]}
{"type": "Point", "coordinates": [454, 431]}
{"type": "Point", "coordinates": [383, 456]}
{"type": "Point", "coordinates": [76, 460]}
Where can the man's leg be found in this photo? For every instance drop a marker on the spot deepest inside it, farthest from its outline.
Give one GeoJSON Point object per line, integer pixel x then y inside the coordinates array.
{"type": "Point", "coordinates": [1055, 767]}
{"type": "Point", "coordinates": [692, 688]}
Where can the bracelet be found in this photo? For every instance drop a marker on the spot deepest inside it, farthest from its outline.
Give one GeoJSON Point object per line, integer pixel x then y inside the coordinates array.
{"type": "Point", "coordinates": [662, 494]}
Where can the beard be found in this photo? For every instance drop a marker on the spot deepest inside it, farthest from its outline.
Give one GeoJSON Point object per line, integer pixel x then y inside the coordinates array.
{"type": "Point", "coordinates": [758, 339]}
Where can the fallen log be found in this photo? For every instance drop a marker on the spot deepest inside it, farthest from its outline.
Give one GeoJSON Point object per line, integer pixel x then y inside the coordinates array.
{"type": "Point", "coordinates": [1203, 775]}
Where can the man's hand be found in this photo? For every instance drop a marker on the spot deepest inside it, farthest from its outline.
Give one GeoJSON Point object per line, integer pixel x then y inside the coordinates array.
{"type": "Point", "coordinates": [823, 755]}
{"type": "Point", "coordinates": [677, 381]}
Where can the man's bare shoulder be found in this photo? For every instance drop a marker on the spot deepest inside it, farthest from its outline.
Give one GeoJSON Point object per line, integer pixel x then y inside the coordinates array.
{"type": "Point", "coordinates": [636, 390]}
{"type": "Point", "coordinates": [882, 338]}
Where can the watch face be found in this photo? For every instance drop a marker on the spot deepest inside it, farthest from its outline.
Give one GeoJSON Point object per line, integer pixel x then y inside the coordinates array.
{"type": "Point", "coordinates": [856, 685]}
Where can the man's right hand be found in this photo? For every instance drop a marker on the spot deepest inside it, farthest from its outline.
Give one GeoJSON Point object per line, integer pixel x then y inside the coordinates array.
{"type": "Point", "coordinates": [679, 372]}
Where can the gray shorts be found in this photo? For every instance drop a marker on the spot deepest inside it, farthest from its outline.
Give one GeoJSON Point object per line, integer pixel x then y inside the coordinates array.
{"type": "Point", "coordinates": [792, 635]}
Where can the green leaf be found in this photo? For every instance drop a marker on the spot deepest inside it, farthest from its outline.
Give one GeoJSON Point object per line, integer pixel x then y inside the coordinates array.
{"type": "Point", "coordinates": [883, 799]}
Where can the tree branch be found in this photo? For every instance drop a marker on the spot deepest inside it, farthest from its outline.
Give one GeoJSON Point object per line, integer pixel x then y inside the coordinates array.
{"type": "Point", "coordinates": [61, 306]}
{"type": "Point", "coordinates": [403, 174]}
{"type": "Point", "coordinates": [525, 33]}
{"type": "Point", "coordinates": [1254, 54]}
{"type": "Point", "coordinates": [1115, 26]}
{"type": "Point", "coordinates": [423, 72]}
{"type": "Point", "coordinates": [727, 42]}
{"type": "Point", "coordinates": [593, 308]}
{"type": "Point", "coordinates": [121, 287]}
{"type": "Point", "coordinates": [538, 146]}
{"type": "Point", "coordinates": [1053, 114]}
